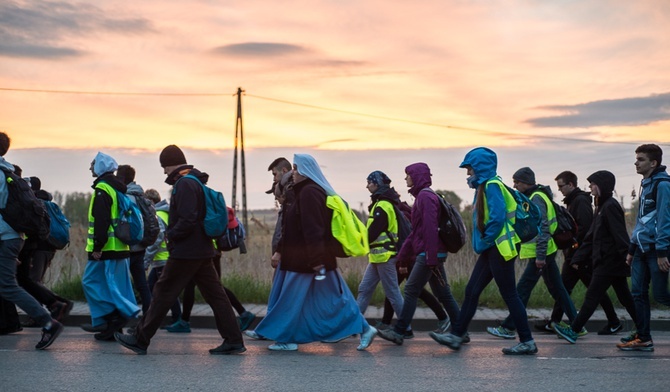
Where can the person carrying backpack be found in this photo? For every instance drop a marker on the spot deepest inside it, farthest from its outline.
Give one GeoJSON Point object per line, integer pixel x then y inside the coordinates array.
{"type": "Point", "coordinates": [383, 228]}
{"type": "Point", "coordinates": [424, 246]}
{"type": "Point", "coordinates": [190, 257]}
{"type": "Point", "coordinates": [11, 243]}
{"type": "Point", "coordinates": [106, 279]}
{"type": "Point", "coordinates": [496, 242]}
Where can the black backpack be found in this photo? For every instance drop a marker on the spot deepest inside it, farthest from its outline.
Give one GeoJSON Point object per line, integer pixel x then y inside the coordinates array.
{"type": "Point", "coordinates": [24, 212]}
{"type": "Point", "coordinates": [451, 228]}
{"type": "Point", "coordinates": [233, 238]}
{"type": "Point", "coordinates": [151, 227]}
{"type": "Point", "coordinates": [404, 229]}
{"type": "Point", "coordinates": [565, 235]}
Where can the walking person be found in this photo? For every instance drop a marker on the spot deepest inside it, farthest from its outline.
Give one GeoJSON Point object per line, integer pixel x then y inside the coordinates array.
{"type": "Point", "coordinates": [496, 242]}
{"type": "Point", "coordinates": [424, 246]}
{"type": "Point", "coordinates": [605, 247]}
{"type": "Point", "coordinates": [191, 252]}
{"type": "Point", "coordinates": [309, 300]}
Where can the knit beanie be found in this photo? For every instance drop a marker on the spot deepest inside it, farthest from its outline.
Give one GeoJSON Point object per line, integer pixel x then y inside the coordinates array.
{"type": "Point", "coordinates": [172, 156]}
{"type": "Point", "coordinates": [525, 175]}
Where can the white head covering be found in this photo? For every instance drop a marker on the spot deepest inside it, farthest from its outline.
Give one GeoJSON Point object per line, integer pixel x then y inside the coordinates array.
{"type": "Point", "coordinates": [308, 167]}
{"type": "Point", "coordinates": [104, 164]}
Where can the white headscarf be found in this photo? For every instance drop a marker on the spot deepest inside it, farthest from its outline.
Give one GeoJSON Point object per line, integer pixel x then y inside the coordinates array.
{"type": "Point", "coordinates": [104, 164]}
{"type": "Point", "coordinates": [308, 167]}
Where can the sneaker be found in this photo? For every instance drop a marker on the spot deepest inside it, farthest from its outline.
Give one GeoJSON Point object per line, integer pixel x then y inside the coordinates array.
{"type": "Point", "coordinates": [443, 326]}
{"type": "Point", "coordinates": [130, 342]}
{"type": "Point", "coordinates": [524, 348]}
{"type": "Point", "coordinates": [283, 347]}
{"type": "Point", "coordinates": [367, 337]}
{"type": "Point", "coordinates": [88, 327]}
{"type": "Point", "coordinates": [114, 325]}
{"type": "Point", "coordinates": [380, 326]}
{"type": "Point", "coordinates": [180, 326]}
{"type": "Point", "coordinates": [466, 338]}
{"type": "Point", "coordinates": [61, 310]}
{"type": "Point", "coordinates": [49, 335]}
{"type": "Point", "coordinates": [610, 329]}
{"type": "Point", "coordinates": [566, 333]}
{"type": "Point", "coordinates": [637, 345]}
{"type": "Point", "coordinates": [226, 349]}
{"type": "Point", "coordinates": [582, 332]}
{"type": "Point", "coordinates": [501, 332]}
{"type": "Point", "coordinates": [544, 326]}
{"type": "Point", "coordinates": [632, 335]}
{"type": "Point", "coordinates": [391, 336]}
{"type": "Point", "coordinates": [245, 320]}
{"type": "Point", "coordinates": [254, 335]}
{"type": "Point", "coordinates": [408, 334]}
{"type": "Point", "coordinates": [447, 339]}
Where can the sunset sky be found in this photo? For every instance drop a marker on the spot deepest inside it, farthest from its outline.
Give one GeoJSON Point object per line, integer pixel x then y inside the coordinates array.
{"type": "Point", "coordinates": [338, 78]}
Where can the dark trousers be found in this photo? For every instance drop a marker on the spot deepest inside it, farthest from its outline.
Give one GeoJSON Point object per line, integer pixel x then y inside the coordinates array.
{"type": "Point", "coordinates": [140, 278]}
{"type": "Point", "coordinates": [425, 296]}
{"type": "Point", "coordinates": [42, 294]}
{"type": "Point", "coordinates": [154, 275]}
{"type": "Point", "coordinates": [40, 263]}
{"type": "Point", "coordinates": [597, 289]}
{"type": "Point", "coordinates": [175, 276]}
{"type": "Point", "coordinates": [189, 294]}
{"type": "Point", "coordinates": [571, 277]}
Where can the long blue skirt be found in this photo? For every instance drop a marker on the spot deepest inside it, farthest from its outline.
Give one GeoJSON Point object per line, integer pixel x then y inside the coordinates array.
{"type": "Point", "coordinates": [107, 287]}
{"type": "Point", "coordinates": [304, 310]}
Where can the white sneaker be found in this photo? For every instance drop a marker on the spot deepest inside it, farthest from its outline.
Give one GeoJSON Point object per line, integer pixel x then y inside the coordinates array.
{"type": "Point", "coordinates": [283, 347]}
{"type": "Point", "coordinates": [366, 338]}
{"type": "Point", "coordinates": [253, 335]}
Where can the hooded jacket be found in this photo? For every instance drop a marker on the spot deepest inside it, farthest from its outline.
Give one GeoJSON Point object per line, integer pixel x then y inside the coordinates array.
{"type": "Point", "coordinates": [101, 210]}
{"type": "Point", "coordinates": [606, 242]}
{"type": "Point", "coordinates": [134, 190]}
{"type": "Point", "coordinates": [186, 237]}
{"type": "Point", "coordinates": [6, 231]}
{"type": "Point", "coordinates": [152, 249]}
{"type": "Point", "coordinates": [544, 236]}
{"type": "Point", "coordinates": [484, 163]}
{"type": "Point", "coordinates": [425, 212]}
{"type": "Point", "coordinates": [580, 207]}
{"type": "Point", "coordinates": [652, 229]}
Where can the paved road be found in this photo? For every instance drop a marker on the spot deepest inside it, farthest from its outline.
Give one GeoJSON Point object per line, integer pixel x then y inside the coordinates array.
{"type": "Point", "coordinates": [76, 362]}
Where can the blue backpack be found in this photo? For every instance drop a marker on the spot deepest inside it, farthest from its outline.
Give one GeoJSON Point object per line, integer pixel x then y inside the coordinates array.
{"type": "Point", "coordinates": [528, 216]}
{"type": "Point", "coordinates": [129, 228]}
{"type": "Point", "coordinates": [59, 234]}
{"type": "Point", "coordinates": [216, 214]}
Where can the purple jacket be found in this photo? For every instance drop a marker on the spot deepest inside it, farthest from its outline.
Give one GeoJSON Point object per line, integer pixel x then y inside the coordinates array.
{"type": "Point", "coordinates": [425, 213]}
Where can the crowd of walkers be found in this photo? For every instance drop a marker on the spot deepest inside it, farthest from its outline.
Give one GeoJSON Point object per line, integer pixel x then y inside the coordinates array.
{"type": "Point", "coordinates": [309, 300]}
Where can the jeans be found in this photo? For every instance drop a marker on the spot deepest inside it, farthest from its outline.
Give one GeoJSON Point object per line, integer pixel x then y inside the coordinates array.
{"type": "Point", "coordinates": [140, 278]}
{"type": "Point", "coordinates": [554, 283]}
{"type": "Point", "coordinates": [596, 291]}
{"type": "Point", "coordinates": [374, 273]}
{"type": "Point", "coordinates": [491, 265]}
{"type": "Point", "coordinates": [437, 278]}
{"type": "Point", "coordinates": [645, 270]}
{"type": "Point", "coordinates": [9, 288]}
{"type": "Point", "coordinates": [154, 275]}
{"type": "Point", "coordinates": [426, 296]}
{"type": "Point", "coordinates": [571, 277]}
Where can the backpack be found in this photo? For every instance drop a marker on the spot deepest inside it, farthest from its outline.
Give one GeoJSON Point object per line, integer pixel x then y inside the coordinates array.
{"type": "Point", "coordinates": [404, 229]}
{"type": "Point", "coordinates": [350, 233]}
{"type": "Point", "coordinates": [216, 213]}
{"type": "Point", "coordinates": [148, 211]}
{"type": "Point", "coordinates": [528, 216]}
{"type": "Point", "coordinates": [129, 228]}
{"type": "Point", "coordinates": [450, 226]}
{"type": "Point", "coordinates": [565, 235]}
{"type": "Point", "coordinates": [234, 235]}
{"type": "Point", "coordinates": [24, 212]}
{"type": "Point", "coordinates": [59, 233]}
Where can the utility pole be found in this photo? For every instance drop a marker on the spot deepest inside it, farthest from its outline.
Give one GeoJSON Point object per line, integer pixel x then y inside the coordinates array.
{"type": "Point", "coordinates": [239, 133]}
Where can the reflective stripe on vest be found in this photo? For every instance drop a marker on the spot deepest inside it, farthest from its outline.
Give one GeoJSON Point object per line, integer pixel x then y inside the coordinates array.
{"type": "Point", "coordinates": [162, 253]}
{"type": "Point", "coordinates": [381, 249]}
{"type": "Point", "coordinates": [113, 243]}
{"type": "Point", "coordinates": [507, 239]}
{"type": "Point", "coordinates": [529, 249]}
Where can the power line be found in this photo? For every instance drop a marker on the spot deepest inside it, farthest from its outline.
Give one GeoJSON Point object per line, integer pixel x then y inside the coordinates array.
{"type": "Point", "coordinates": [116, 93]}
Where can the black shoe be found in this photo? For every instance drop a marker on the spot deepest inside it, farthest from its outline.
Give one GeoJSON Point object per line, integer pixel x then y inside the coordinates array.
{"type": "Point", "coordinates": [544, 326]}
{"type": "Point", "coordinates": [61, 310]}
{"type": "Point", "coordinates": [88, 327]}
{"type": "Point", "coordinates": [130, 342]}
{"type": "Point", "coordinates": [49, 335]}
{"type": "Point", "coordinates": [408, 334]}
{"type": "Point", "coordinates": [226, 349]}
{"type": "Point", "coordinates": [610, 329]}
{"type": "Point", "coordinates": [391, 336]}
{"type": "Point", "coordinates": [106, 336]}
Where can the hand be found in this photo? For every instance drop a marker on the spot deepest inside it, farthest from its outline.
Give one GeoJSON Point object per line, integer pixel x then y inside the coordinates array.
{"type": "Point", "coordinates": [402, 270]}
{"type": "Point", "coordinates": [629, 259]}
{"type": "Point", "coordinates": [540, 263]}
{"type": "Point", "coordinates": [663, 264]}
{"type": "Point", "coordinates": [575, 266]}
{"type": "Point", "coordinates": [96, 255]}
{"type": "Point", "coordinates": [275, 259]}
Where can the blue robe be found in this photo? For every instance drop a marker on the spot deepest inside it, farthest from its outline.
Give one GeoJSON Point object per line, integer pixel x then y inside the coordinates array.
{"type": "Point", "coordinates": [107, 287]}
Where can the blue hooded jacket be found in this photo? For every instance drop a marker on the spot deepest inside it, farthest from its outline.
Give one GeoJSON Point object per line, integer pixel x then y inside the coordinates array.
{"type": "Point", "coordinates": [653, 221]}
{"type": "Point", "coordinates": [484, 163]}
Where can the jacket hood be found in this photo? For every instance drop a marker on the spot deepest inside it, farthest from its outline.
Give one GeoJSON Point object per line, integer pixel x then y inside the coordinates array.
{"type": "Point", "coordinates": [104, 164]}
{"type": "Point", "coordinates": [43, 195]}
{"type": "Point", "coordinates": [112, 180]}
{"type": "Point", "coordinates": [605, 181]}
{"type": "Point", "coordinates": [135, 189]}
{"type": "Point", "coordinates": [575, 194]}
{"type": "Point", "coordinates": [177, 173]}
{"type": "Point", "coordinates": [390, 195]}
{"type": "Point", "coordinates": [162, 206]}
{"type": "Point", "coordinates": [420, 174]}
{"type": "Point", "coordinates": [4, 165]}
{"type": "Point", "coordinates": [483, 161]}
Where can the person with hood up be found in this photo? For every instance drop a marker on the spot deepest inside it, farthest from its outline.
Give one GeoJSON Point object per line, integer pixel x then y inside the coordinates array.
{"type": "Point", "coordinates": [424, 246]}
{"type": "Point", "coordinates": [309, 300]}
{"type": "Point", "coordinates": [106, 279]}
{"type": "Point", "coordinates": [496, 242]}
{"type": "Point", "coordinates": [383, 228]}
{"type": "Point", "coordinates": [605, 247]}
{"type": "Point", "coordinates": [190, 257]}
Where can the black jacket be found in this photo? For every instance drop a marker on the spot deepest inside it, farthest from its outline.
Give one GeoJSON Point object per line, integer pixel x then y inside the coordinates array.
{"type": "Point", "coordinates": [307, 239]}
{"type": "Point", "coordinates": [580, 207]}
{"type": "Point", "coordinates": [380, 221]}
{"type": "Point", "coordinates": [185, 234]}
{"type": "Point", "coordinates": [102, 214]}
{"type": "Point", "coordinates": [44, 245]}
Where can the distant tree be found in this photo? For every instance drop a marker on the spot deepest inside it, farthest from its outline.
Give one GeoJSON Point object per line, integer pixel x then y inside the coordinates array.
{"type": "Point", "coordinates": [451, 197]}
{"type": "Point", "coordinates": [75, 207]}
